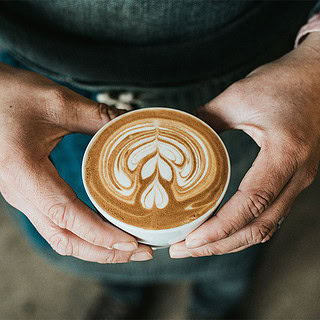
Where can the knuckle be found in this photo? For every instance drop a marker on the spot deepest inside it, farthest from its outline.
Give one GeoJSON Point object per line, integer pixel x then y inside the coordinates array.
{"type": "Point", "coordinates": [197, 254]}
{"type": "Point", "coordinates": [228, 228]}
{"type": "Point", "coordinates": [102, 113]}
{"type": "Point", "coordinates": [255, 204]}
{"type": "Point", "coordinates": [112, 257]}
{"type": "Point", "coordinates": [62, 244]}
{"type": "Point", "coordinates": [95, 237]}
{"type": "Point", "coordinates": [58, 96]}
{"type": "Point", "coordinates": [226, 232]}
{"type": "Point", "coordinates": [60, 214]}
{"type": "Point", "coordinates": [206, 251]}
{"type": "Point", "coordinates": [224, 227]}
{"type": "Point", "coordinates": [217, 251]}
{"type": "Point", "coordinates": [257, 234]}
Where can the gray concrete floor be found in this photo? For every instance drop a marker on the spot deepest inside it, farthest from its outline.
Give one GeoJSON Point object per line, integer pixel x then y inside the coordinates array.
{"type": "Point", "coordinates": [286, 284]}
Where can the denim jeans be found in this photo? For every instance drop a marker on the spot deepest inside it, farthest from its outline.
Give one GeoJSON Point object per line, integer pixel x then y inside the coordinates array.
{"type": "Point", "coordinates": [219, 281]}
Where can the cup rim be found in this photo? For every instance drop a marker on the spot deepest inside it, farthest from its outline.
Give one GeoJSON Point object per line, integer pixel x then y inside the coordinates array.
{"type": "Point", "coordinates": [139, 229]}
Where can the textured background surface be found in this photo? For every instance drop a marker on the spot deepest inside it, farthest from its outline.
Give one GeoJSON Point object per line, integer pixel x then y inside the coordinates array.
{"type": "Point", "coordinates": [286, 285]}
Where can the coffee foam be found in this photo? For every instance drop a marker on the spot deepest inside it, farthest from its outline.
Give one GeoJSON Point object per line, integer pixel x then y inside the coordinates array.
{"type": "Point", "coordinates": [156, 168]}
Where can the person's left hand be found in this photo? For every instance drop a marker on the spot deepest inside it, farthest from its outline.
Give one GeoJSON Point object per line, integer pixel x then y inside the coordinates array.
{"type": "Point", "coordinates": [278, 105]}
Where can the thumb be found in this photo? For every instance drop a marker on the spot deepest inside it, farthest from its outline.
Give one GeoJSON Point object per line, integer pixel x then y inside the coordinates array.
{"type": "Point", "coordinates": [80, 114]}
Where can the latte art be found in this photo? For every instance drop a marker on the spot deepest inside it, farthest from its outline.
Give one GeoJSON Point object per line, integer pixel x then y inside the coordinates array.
{"type": "Point", "coordinates": [156, 170]}
{"type": "Point", "coordinates": [157, 151]}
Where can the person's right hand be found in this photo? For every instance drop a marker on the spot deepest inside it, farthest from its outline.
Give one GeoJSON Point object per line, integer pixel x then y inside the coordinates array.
{"type": "Point", "coordinates": [35, 114]}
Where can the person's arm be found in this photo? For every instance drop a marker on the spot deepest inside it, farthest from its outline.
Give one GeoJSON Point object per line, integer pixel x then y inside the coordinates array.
{"type": "Point", "coordinates": [35, 114]}
{"type": "Point", "coordinates": [278, 105]}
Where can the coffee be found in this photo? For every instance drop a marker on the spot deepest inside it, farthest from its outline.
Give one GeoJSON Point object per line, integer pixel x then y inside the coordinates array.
{"type": "Point", "coordinates": [156, 168]}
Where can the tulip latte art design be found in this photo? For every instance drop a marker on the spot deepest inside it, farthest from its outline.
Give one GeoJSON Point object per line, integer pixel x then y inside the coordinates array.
{"type": "Point", "coordinates": [156, 168]}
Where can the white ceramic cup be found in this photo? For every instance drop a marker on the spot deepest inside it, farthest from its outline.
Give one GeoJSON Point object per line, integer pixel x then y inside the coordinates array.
{"type": "Point", "coordinates": [163, 237]}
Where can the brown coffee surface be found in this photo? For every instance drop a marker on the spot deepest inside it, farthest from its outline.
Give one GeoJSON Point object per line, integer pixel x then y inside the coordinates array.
{"type": "Point", "coordinates": [156, 168]}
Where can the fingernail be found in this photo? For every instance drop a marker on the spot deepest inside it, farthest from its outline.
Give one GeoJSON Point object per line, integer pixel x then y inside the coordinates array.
{"type": "Point", "coordinates": [141, 256]}
{"type": "Point", "coordinates": [176, 254]}
{"type": "Point", "coordinates": [195, 243]}
{"type": "Point", "coordinates": [125, 246]}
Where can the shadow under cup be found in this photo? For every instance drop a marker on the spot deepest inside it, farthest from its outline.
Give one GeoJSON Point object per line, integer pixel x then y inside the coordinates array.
{"type": "Point", "coordinates": [157, 238]}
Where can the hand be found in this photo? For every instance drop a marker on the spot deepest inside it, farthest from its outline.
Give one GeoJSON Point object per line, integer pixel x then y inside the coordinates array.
{"type": "Point", "coordinates": [278, 105]}
{"type": "Point", "coordinates": [35, 113]}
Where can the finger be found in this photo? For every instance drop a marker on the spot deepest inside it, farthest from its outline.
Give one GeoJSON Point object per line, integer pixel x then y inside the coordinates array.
{"type": "Point", "coordinates": [76, 113]}
{"type": "Point", "coordinates": [257, 191]}
{"type": "Point", "coordinates": [267, 238]}
{"type": "Point", "coordinates": [218, 248]}
{"type": "Point", "coordinates": [66, 243]}
{"type": "Point", "coordinates": [43, 186]}
{"type": "Point", "coordinates": [258, 231]}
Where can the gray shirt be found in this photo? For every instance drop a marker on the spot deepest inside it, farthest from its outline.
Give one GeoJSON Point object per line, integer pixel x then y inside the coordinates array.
{"type": "Point", "coordinates": [144, 43]}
